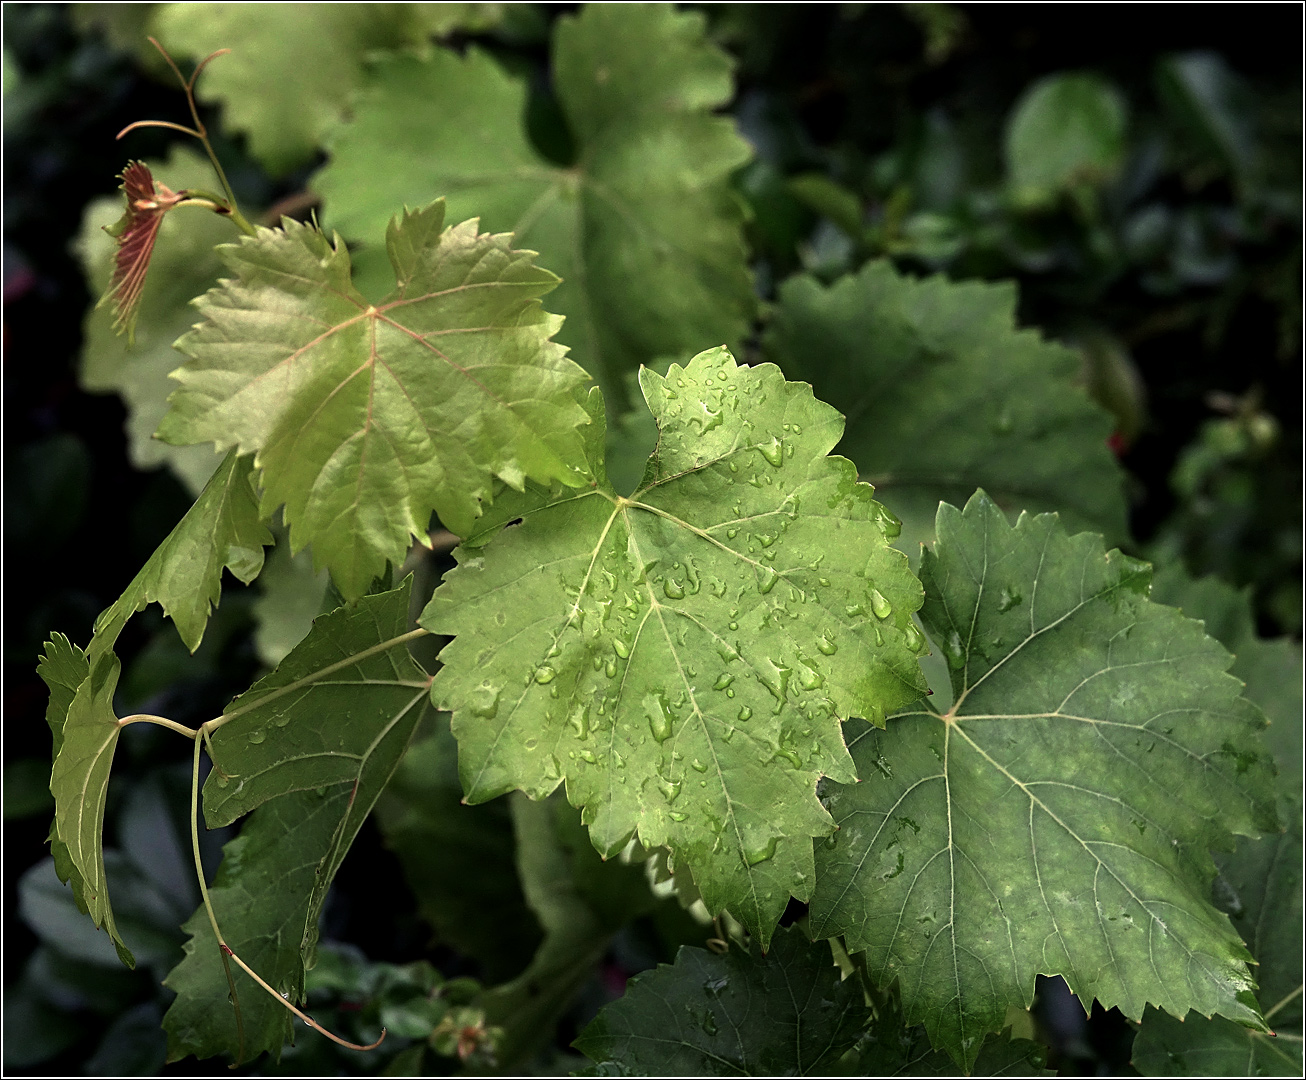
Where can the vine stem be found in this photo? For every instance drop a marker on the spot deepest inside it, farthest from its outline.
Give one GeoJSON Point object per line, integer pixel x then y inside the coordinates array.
{"type": "Point", "coordinates": [225, 949]}
{"type": "Point", "coordinates": [231, 209]}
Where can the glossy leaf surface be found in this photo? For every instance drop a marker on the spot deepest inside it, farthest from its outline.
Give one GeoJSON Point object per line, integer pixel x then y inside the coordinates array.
{"type": "Point", "coordinates": [312, 746]}
{"type": "Point", "coordinates": [944, 394]}
{"type": "Point", "coordinates": [1056, 818]}
{"type": "Point", "coordinates": [782, 1014]}
{"type": "Point", "coordinates": [642, 226]}
{"type": "Point", "coordinates": [366, 418]}
{"type": "Point", "coordinates": [682, 657]}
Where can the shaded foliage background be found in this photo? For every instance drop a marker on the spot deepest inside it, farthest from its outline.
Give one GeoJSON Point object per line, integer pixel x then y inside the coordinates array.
{"type": "Point", "coordinates": [1173, 263]}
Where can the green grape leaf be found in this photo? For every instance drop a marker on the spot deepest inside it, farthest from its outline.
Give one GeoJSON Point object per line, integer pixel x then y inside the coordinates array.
{"type": "Point", "coordinates": [366, 418]}
{"type": "Point", "coordinates": [783, 1014]}
{"type": "Point", "coordinates": [1057, 817]}
{"type": "Point", "coordinates": [315, 720]}
{"type": "Point", "coordinates": [184, 265]}
{"type": "Point", "coordinates": [340, 710]}
{"type": "Point", "coordinates": [643, 227]}
{"type": "Point", "coordinates": [293, 67]}
{"type": "Point", "coordinates": [899, 1051]}
{"type": "Point", "coordinates": [945, 395]}
{"type": "Point", "coordinates": [470, 895]}
{"type": "Point", "coordinates": [580, 901]}
{"type": "Point", "coordinates": [682, 657]}
{"type": "Point", "coordinates": [85, 732]}
{"type": "Point", "coordinates": [184, 575]}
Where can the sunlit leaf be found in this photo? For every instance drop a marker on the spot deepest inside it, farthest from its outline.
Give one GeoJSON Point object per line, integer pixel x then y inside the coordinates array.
{"type": "Point", "coordinates": [1056, 818]}
{"type": "Point", "coordinates": [682, 657]}
{"type": "Point", "coordinates": [366, 418]}
{"type": "Point", "coordinates": [642, 226]}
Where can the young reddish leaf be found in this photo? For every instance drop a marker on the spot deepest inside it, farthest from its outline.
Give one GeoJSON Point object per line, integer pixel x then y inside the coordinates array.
{"type": "Point", "coordinates": [135, 231]}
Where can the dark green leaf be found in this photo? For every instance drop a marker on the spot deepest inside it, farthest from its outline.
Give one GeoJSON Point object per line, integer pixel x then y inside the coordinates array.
{"type": "Point", "coordinates": [783, 1014]}
{"type": "Point", "coordinates": [682, 657]}
{"type": "Point", "coordinates": [1056, 818]}
{"type": "Point", "coordinates": [366, 418]}
{"type": "Point", "coordinates": [944, 394]}
{"type": "Point", "coordinates": [642, 227]}
{"type": "Point", "coordinates": [312, 745]}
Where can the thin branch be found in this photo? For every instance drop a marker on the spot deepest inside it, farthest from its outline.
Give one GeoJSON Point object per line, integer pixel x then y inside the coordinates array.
{"type": "Point", "coordinates": [161, 721]}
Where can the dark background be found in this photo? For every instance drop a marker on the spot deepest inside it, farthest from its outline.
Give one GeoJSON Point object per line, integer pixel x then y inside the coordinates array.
{"type": "Point", "coordinates": [837, 89]}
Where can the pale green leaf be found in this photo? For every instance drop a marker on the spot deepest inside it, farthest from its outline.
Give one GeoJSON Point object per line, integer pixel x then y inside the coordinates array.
{"type": "Point", "coordinates": [312, 746]}
{"type": "Point", "coordinates": [643, 228]}
{"type": "Point", "coordinates": [682, 657]}
{"type": "Point", "coordinates": [580, 902]}
{"type": "Point", "coordinates": [783, 1014]}
{"type": "Point", "coordinates": [293, 67]}
{"type": "Point", "coordinates": [182, 267]}
{"type": "Point", "coordinates": [944, 394]}
{"type": "Point", "coordinates": [366, 418]}
{"type": "Point", "coordinates": [184, 575]}
{"type": "Point", "coordinates": [1057, 818]}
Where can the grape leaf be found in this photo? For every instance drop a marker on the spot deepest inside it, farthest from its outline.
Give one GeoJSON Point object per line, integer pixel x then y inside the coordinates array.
{"type": "Point", "coordinates": [1057, 818]}
{"type": "Point", "coordinates": [643, 226]}
{"type": "Point", "coordinates": [342, 706]}
{"type": "Point", "coordinates": [899, 1051]}
{"type": "Point", "coordinates": [470, 895]}
{"type": "Point", "coordinates": [783, 1014]}
{"type": "Point", "coordinates": [944, 395]}
{"type": "Point", "coordinates": [183, 575]}
{"type": "Point", "coordinates": [682, 657]}
{"type": "Point", "coordinates": [293, 67]}
{"type": "Point", "coordinates": [366, 418]}
{"type": "Point", "coordinates": [580, 902]}
{"type": "Point", "coordinates": [292, 597]}
{"type": "Point", "coordinates": [184, 266]}
{"type": "Point", "coordinates": [318, 717]}
{"type": "Point", "coordinates": [85, 732]}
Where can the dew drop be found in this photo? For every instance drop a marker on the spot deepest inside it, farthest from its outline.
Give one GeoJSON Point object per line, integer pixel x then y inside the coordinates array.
{"type": "Point", "coordinates": [670, 789]}
{"type": "Point", "coordinates": [697, 766]}
{"type": "Point", "coordinates": [659, 715]}
{"type": "Point", "coordinates": [915, 640]}
{"type": "Point", "coordinates": [709, 1023]}
{"type": "Point", "coordinates": [731, 533]}
{"type": "Point", "coordinates": [545, 674]}
{"type": "Point", "coordinates": [610, 668]}
{"type": "Point", "coordinates": [580, 721]}
{"type": "Point", "coordinates": [755, 855]}
{"type": "Point", "coordinates": [826, 647]}
{"type": "Point", "coordinates": [880, 605]}
{"type": "Point", "coordinates": [811, 679]}
{"type": "Point", "coordinates": [258, 736]}
{"type": "Point", "coordinates": [588, 756]}
{"type": "Point", "coordinates": [956, 655]}
{"type": "Point", "coordinates": [766, 579]}
{"type": "Point", "coordinates": [773, 452]}
{"type": "Point", "coordinates": [484, 701]}
{"type": "Point", "coordinates": [621, 648]}
{"type": "Point", "coordinates": [531, 744]}
{"type": "Point", "coordinates": [673, 589]}
{"type": "Point", "coordinates": [723, 680]}
{"type": "Point", "coordinates": [675, 815]}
